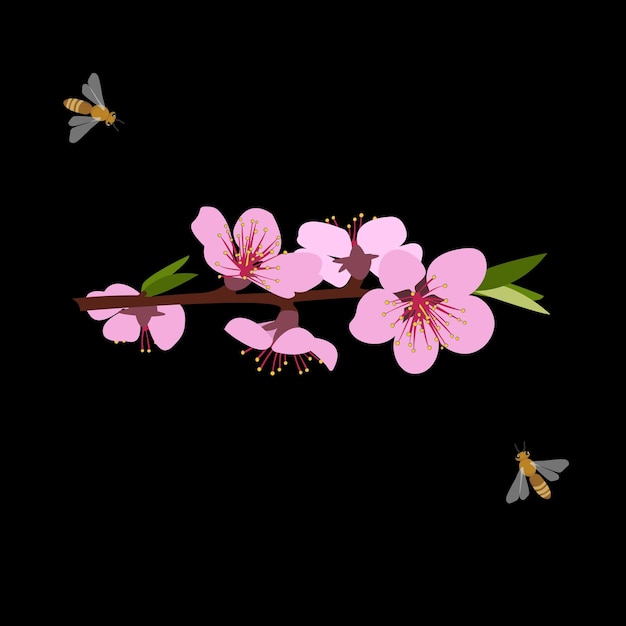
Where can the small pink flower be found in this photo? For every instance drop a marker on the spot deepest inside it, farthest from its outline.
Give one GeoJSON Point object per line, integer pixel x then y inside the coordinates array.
{"type": "Point", "coordinates": [166, 323]}
{"type": "Point", "coordinates": [423, 311]}
{"type": "Point", "coordinates": [356, 250]}
{"type": "Point", "coordinates": [250, 253]}
{"type": "Point", "coordinates": [280, 338]}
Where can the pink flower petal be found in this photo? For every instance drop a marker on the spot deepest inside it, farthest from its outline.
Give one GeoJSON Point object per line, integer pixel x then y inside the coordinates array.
{"type": "Point", "coordinates": [116, 289]}
{"type": "Point", "coordinates": [369, 325]}
{"type": "Point", "coordinates": [249, 333]}
{"type": "Point", "coordinates": [329, 270]}
{"type": "Point", "coordinates": [415, 362]}
{"type": "Point", "coordinates": [211, 229]}
{"type": "Point", "coordinates": [400, 270]}
{"type": "Point", "coordinates": [326, 239]}
{"type": "Point", "coordinates": [413, 248]}
{"type": "Point", "coordinates": [121, 327]}
{"type": "Point", "coordinates": [291, 273]}
{"type": "Point", "coordinates": [294, 341]}
{"type": "Point", "coordinates": [381, 235]}
{"type": "Point", "coordinates": [475, 328]}
{"type": "Point", "coordinates": [326, 351]}
{"type": "Point", "coordinates": [462, 270]}
{"type": "Point", "coordinates": [167, 329]}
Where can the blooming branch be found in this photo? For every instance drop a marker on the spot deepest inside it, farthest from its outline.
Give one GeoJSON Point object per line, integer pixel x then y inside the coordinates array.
{"type": "Point", "coordinates": [424, 311]}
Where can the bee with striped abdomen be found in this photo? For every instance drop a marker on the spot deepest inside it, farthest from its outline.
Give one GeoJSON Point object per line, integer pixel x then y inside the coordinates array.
{"type": "Point", "coordinates": [90, 113]}
{"type": "Point", "coordinates": [535, 472]}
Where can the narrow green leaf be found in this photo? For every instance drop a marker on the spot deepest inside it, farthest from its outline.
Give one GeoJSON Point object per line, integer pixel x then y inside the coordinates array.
{"type": "Point", "coordinates": [509, 272]}
{"type": "Point", "coordinates": [533, 295]}
{"type": "Point", "coordinates": [168, 270]}
{"type": "Point", "coordinates": [166, 283]}
{"type": "Point", "coordinates": [512, 296]}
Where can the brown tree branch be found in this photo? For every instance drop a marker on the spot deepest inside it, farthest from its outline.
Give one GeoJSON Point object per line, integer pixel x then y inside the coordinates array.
{"type": "Point", "coordinates": [222, 295]}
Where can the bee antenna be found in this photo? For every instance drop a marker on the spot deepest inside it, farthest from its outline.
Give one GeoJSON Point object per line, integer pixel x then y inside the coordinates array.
{"type": "Point", "coordinates": [516, 448]}
{"type": "Point", "coordinates": [116, 128]}
{"type": "Point", "coordinates": [524, 448]}
{"type": "Point", "coordinates": [120, 121]}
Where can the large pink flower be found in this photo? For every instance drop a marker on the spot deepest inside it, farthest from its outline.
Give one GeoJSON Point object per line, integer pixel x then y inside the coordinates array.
{"type": "Point", "coordinates": [250, 253]}
{"type": "Point", "coordinates": [166, 323]}
{"type": "Point", "coordinates": [280, 338]}
{"type": "Point", "coordinates": [423, 311]}
{"type": "Point", "coordinates": [356, 250]}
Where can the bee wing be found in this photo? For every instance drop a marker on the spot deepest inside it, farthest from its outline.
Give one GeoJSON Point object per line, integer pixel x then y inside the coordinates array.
{"type": "Point", "coordinates": [519, 488]}
{"type": "Point", "coordinates": [80, 129]}
{"type": "Point", "coordinates": [79, 120]}
{"type": "Point", "coordinates": [549, 469]}
{"type": "Point", "coordinates": [92, 90]}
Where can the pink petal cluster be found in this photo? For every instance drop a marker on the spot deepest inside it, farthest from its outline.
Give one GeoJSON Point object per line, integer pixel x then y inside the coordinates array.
{"type": "Point", "coordinates": [424, 311]}
{"type": "Point", "coordinates": [249, 253]}
{"type": "Point", "coordinates": [277, 339]}
{"type": "Point", "coordinates": [356, 250]}
{"type": "Point", "coordinates": [166, 323]}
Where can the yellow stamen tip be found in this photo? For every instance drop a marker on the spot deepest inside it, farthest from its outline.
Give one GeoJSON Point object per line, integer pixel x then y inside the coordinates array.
{"type": "Point", "coordinates": [258, 369]}
{"type": "Point", "coordinates": [360, 214]}
{"type": "Point", "coordinates": [243, 352]}
{"type": "Point", "coordinates": [272, 373]}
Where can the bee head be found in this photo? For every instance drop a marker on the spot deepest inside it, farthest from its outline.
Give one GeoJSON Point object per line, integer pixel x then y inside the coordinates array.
{"type": "Point", "coordinates": [110, 120]}
{"type": "Point", "coordinates": [521, 454]}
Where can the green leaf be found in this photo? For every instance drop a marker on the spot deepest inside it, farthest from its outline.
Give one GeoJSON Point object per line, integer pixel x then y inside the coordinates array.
{"type": "Point", "coordinates": [168, 270]}
{"type": "Point", "coordinates": [506, 273]}
{"type": "Point", "coordinates": [512, 295]}
{"type": "Point", "coordinates": [533, 295]}
{"type": "Point", "coordinates": [166, 283]}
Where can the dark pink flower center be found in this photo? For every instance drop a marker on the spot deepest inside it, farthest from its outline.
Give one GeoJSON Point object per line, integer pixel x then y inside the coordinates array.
{"type": "Point", "coordinates": [286, 320]}
{"type": "Point", "coordinates": [249, 252]}
{"type": "Point", "coordinates": [358, 263]}
{"type": "Point", "coordinates": [143, 315]}
{"type": "Point", "coordinates": [424, 316]}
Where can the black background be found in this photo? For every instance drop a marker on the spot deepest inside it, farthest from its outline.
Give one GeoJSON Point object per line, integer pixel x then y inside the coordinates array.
{"type": "Point", "coordinates": [191, 456]}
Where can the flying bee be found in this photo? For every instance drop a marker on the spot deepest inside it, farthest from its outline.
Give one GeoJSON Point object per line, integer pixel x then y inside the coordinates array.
{"type": "Point", "coordinates": [90, 113]}
{"type": "Point", "coordinates": [534, 472]}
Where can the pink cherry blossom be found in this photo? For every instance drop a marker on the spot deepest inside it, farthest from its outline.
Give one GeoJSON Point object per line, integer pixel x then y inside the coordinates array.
{"type": "Point", "coordinates": [277, 339]}
{"type": "Point", "coordinates": [425, 310]}
{"type": "Point", "coordinates": [250, 253]}
{"type": "Point", "coordinates": [356, 250]}
{"type": "Point", "coordinates": [166, 323]}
